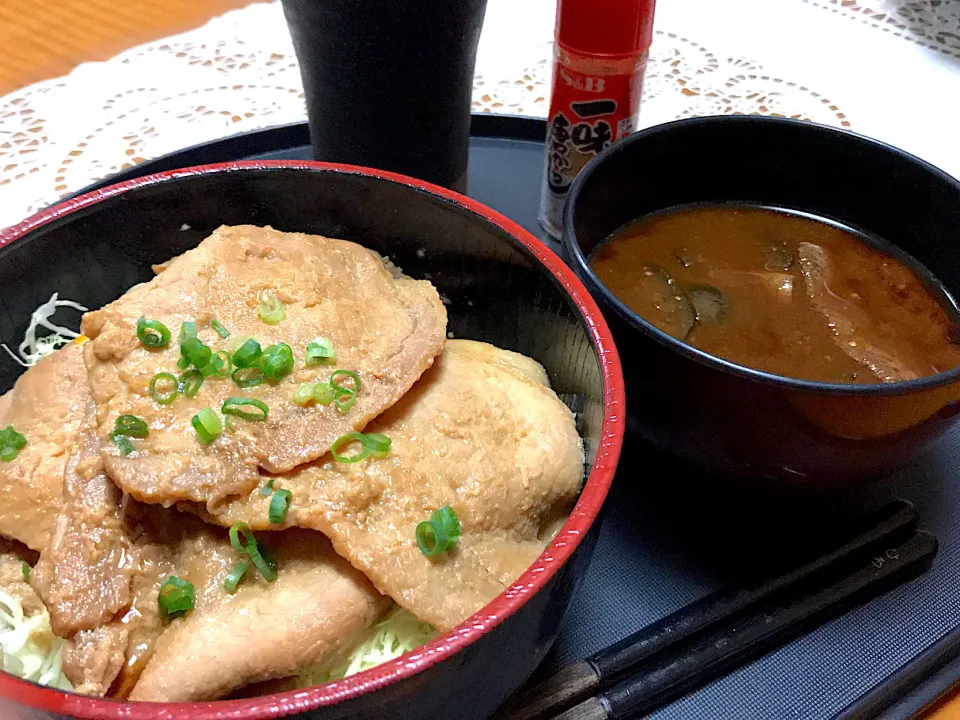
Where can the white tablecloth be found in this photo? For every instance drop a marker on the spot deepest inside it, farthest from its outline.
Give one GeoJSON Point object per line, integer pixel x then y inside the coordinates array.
{"type": "Point", "coordinates": [887, 68]}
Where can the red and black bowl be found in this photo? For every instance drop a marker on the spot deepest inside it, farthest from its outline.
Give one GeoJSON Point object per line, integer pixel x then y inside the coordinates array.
{"type": "Point", "coordinates": [502, 286]}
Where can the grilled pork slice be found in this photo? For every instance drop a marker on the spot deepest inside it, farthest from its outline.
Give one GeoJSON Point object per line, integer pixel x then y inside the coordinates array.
{"type": "Point", "coordinates": [384, 327]}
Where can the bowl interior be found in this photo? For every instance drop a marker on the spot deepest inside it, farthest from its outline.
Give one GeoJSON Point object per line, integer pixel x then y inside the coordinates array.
{"type": "Point", "coordinates": [495, 288]}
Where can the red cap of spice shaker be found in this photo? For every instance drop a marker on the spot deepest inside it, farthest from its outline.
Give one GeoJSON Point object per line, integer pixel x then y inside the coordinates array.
{"type": "Point", "coordinates": [605, 27]}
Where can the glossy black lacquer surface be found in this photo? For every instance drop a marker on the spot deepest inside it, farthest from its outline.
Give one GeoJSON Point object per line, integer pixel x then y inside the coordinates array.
{"type": "Point", "coordinates": [729, 419]}
{"type": "Point", "coordinates": [388, 84]}
{"type": "Point", "coordinates": [494, 291]}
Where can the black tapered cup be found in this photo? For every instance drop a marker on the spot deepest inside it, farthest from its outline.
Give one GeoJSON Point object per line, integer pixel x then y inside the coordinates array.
{"type": "Point", "coordinates": [388, 84]}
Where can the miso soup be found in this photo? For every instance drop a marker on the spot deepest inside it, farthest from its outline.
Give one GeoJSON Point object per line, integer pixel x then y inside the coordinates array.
{"type": "Point", "coordinates": [782, 292]}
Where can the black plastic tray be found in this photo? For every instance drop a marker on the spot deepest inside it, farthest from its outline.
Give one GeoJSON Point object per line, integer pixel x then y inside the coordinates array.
{"type": "Point", "coordinates": [670, 536]}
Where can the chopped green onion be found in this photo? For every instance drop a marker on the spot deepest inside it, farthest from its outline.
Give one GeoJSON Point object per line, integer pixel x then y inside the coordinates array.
{"type": "Point", "coordinates": [345, 397]}
{"type": "Point", "coordinates": [176, 597]}
{"type": "Point", "coordinates": [208, 426]}
{"type": "Point", "coordinates": [190, 382]}
{"type": "Point", "coordinates": [247, 354]}
{"type": "Point", "coordinates": [25, 569]}
{"type": "Point", "coordinates": [126, 427]}
{"type": "Point", "coordinates": [279, 504]}
{"type": "Point", "coordinates": [152, 333]}
{"type": "Point", "coordinates": [248, 538]}
{"type": "Point", "coordinates": [304, 394]}
{"type": "Point", "coordinates": [431, 538]}
{"type": "Point", "coordinates": [11, 443]}
{"type": "Point", "coordinates": [344, 440]}
{"type": "Point", "coordinates": [270, 309]}
{"type": "Point", "coordinates": [220, 365]}
{"type": "Point", "coordinates": [248, 377]}
{"type": "Point", "coordinates": [447, 517]}
{"type": "Point", "coordinates": [223, 363]}
{"type": "Point", "coordinates": [374, 445]}
{"type": "Point", "coordinates": [9, 436]}
{"type": "Point", "coordinates": [439, 533]}
{"type": "Point", "coordinates": [321, 393]}
{"type": "Point", "coordinates": [192, 350]}
{"type": "Point", "coordinates": [131, 426]}
{"type": "Point", "coordinates": [235, 576]}
{"type": "Point", "coordinates": [159, 396]}
{"type": "Point", "coordinates": [219, 329]}
{"type": "Point", "coordinates": [344, 401]}
{"type": "Point", "coordinates": [264, 562]}
{"type": "Point", "coordinates": [228, 425]}
{"type": "Point", "coordinates": [267, 489]}
{"type": "Point", "coordinates": [319, 351]}
{"type": "Point", "coordinates": [123, 443]}
{"type": "Point", "coordinates": [188, 330]}
{"type": "Point", "coordinates": [276, 361]}
{"type": "Point", "coordinates": [378, 444]}
{"type": "Point", "coordinates": [261, 557]}
{"type": "Point", "coordinates": [340, 388]}
{"type": "Point", "coordinates": [196, 352]}
{"type": "Point", "coordinates": [234, 405]}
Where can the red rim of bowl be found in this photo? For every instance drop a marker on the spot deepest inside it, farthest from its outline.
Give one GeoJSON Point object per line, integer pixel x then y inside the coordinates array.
{"type": "Point", "coordinates": [444, 646]}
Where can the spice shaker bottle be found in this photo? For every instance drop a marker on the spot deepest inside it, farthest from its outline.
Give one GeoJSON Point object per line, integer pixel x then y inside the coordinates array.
{"type": "Point", "coordinates": [600, 56]}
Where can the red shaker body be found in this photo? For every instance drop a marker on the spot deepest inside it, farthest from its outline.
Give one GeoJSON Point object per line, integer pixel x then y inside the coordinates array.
{"type": "Point", "coordinates": [599, 61]}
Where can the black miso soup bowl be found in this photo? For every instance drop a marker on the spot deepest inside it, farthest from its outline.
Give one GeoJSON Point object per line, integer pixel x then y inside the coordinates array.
{"type": "Point", "coordinates": [501, 285]}
{"type": "Point", "coordinates": [727, 418]}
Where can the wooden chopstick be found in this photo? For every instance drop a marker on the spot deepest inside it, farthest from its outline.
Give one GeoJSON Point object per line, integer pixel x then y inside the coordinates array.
{"type": "Point", "coordinates": [600, 670]}
{"type": "Point", "coordinates": [724, 649]}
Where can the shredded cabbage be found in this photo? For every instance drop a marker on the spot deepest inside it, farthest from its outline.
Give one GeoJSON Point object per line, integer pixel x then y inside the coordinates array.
{"type": "Point", "coordinates": [397, 633]}
{"type": "Point", "coordinates": [28, 646]}
{"type": "Point", "coordinates": [33, 349]}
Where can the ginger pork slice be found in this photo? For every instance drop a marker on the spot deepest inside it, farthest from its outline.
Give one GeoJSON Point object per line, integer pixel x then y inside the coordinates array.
{"type": "Point", "coordinates": [318, 608]}
{"type": "Point", "coordinates": [99, 573]}
{"type": "Point", "coordinates": [102, 570]}
{"type": "Point", "coordinates": [85, 573]}
{"type": "Point", "coordinates": [481, 432]}
{"type": "Point", "coordinates": [46, 406]}
{"type": "Point", "coordinates": [385, 327]}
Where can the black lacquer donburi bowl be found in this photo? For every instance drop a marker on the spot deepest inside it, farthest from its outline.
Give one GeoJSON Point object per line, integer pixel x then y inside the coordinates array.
{"type": "Point", "coordinates": [733, 420]}
{"type": "Point", "coordinates": [502, 286]}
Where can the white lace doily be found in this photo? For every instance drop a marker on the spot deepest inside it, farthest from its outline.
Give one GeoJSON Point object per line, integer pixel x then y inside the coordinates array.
{"type": "Point", "coordinates": [934, 24]}
{"type": "Point", "coordinates": [893, 73]}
